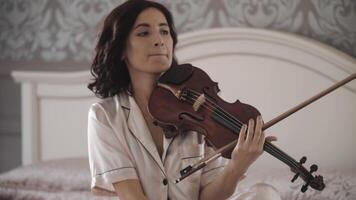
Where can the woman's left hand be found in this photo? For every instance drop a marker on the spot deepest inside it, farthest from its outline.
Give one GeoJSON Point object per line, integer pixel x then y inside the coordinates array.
{"type": "Point", "coordinates": [250, 144]}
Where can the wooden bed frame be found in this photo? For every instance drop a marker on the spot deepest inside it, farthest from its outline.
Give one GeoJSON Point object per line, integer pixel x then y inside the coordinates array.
{"type": "Point", "coordinates": [271, 70]}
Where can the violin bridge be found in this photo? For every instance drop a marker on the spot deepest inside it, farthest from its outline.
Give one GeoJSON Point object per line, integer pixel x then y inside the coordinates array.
{"type": "Point", "coordinates": [200, 101]}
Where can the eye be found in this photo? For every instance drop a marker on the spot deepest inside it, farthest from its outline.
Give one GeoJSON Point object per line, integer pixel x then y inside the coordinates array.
{"type": "Point", "coordinates": [142, 33]}
{"type": "Point", "coordinates": [165, 32]}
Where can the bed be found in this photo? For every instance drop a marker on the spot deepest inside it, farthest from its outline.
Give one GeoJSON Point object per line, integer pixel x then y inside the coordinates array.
{"type": "Point", "coordinates": [270, 70]}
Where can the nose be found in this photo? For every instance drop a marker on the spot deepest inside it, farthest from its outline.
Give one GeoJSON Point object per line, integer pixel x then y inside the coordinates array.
{"type": "Point", "coordinates": [158, 42]}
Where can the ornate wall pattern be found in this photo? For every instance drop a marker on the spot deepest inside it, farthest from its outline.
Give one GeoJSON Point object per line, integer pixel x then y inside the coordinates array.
{"type": "Point", "coordinates": [46, 32]}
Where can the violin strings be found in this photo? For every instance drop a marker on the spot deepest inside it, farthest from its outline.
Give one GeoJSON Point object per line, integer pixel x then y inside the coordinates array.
{"type": "Point", "coordinates": [228, 115]}
{"type": "Point", "coordinates": [273, 150]}
{"type": "Point", "coordinates": [232, 121]}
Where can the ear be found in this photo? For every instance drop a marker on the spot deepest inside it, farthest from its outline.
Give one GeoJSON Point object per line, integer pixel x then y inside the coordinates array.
{"type": "Point", "coordinates": [123, 56]}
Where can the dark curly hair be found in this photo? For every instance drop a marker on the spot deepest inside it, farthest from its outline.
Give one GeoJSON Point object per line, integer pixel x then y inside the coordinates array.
{"type": "Point", "coordinates": [110, 72]}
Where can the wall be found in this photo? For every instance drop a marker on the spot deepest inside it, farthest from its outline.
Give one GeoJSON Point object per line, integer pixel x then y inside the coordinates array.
{"type": "Point", "coordinates": [61, 34]}
{"type": "Point", "coordinates": [10, 146]}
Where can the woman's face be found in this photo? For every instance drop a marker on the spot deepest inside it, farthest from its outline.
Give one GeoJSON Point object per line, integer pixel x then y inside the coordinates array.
{"type": "Point", "coordinates": [149, 47]}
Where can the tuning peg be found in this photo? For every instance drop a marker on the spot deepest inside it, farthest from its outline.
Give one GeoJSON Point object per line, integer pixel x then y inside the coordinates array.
{"type": "Point", "coordinates": [301, 161]}
{"type": "Point", "coordinates": [304, 187]}
{"type": "Point", "coordinates": [313, 168]}
{"type": "Point", "coordinates": [295, 177]}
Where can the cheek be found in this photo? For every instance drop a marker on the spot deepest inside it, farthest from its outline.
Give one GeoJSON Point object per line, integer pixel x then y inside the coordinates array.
{"type": "Point", "coordinates": [134, 53]}
{"type": "Point", "coordinates": [170, 46]}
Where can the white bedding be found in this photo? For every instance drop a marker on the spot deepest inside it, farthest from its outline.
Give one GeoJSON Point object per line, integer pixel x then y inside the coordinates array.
{"type": "Point", "coordinates": [69, 179]}
{"type": "Point", "coordinates": [61, 179]}
{"type": "Point", "coordinates": [340, 185]}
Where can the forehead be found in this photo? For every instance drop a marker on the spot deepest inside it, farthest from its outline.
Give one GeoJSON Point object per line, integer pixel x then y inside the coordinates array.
{"type": "Point", "coordinates": [151, 16]}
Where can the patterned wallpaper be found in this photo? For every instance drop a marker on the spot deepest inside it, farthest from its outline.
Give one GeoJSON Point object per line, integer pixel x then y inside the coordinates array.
{"type": "Point", "coordinates": [61, 34]}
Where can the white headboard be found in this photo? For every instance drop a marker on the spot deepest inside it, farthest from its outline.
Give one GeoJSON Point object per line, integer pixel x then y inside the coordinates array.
{"type": "Point", "coordinates": [270, 70]}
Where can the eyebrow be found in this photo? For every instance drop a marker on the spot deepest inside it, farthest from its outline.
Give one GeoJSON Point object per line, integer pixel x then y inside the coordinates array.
{"type": "Point", "coordinates": [147, 25]}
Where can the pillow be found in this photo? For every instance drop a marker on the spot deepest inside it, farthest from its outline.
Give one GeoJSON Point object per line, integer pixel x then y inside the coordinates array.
{"type": "Point", "coordinates": [55, 175]}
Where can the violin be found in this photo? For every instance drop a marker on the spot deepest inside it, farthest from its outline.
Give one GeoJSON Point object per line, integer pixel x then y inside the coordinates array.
{"type": "Point", "coordinates": [185, 99]}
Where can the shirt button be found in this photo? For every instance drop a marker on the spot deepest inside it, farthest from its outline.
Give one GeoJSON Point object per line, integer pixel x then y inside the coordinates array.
{"type": "Point", "coordinates": [165, 181]}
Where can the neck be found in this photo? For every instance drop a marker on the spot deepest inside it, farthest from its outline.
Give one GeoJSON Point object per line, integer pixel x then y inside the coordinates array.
{"type": "Point", "coordinates": [142, 87]}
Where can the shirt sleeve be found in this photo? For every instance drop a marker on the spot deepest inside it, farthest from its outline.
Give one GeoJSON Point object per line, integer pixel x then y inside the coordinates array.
{"type": "Point", "coordinates": [109, 158]}
{"type": "Point", "coordinates": [213, 169]}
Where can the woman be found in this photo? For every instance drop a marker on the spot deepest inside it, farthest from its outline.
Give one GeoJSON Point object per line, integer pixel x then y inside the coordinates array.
{"type": "Point", "coordinates": [129, 156]}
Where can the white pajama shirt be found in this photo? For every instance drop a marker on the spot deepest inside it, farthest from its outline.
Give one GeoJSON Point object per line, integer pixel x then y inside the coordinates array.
{"type": "Point", "coordinates": [121, 147]}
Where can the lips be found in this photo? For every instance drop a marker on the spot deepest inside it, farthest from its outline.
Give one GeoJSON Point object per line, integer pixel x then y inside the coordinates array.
{"type": "Point", "coordinates": [158, 55]}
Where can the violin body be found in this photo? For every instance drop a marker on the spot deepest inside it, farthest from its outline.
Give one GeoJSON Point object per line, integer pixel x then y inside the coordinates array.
{"type": "Point", "coordinates": [178, 114]}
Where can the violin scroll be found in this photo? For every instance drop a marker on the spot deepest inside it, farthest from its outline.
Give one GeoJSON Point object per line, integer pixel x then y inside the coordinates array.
{"type": "Point", "coordinates": [316, 182]}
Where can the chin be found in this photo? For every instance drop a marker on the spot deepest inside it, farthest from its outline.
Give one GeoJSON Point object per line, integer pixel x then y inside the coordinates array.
{"type": "Point", "coordinates": [160, 66]}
